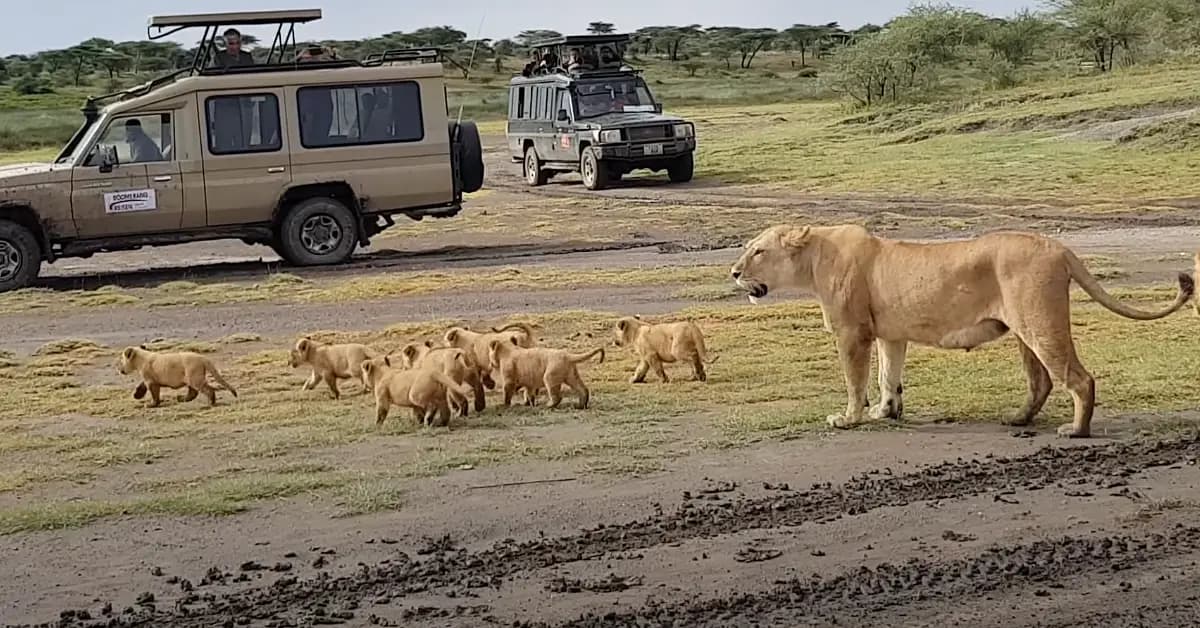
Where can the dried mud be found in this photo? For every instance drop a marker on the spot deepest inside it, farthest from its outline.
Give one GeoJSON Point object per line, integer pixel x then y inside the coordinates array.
{"type": "Point", "coordinates": [816, 599]}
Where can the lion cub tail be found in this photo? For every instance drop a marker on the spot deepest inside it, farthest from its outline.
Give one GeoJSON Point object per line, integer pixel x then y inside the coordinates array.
{"type": "Point", "coordinates": [216, 375]}
{"type": "Point", "coordinates": [584, 357]}
{"type": "Point", "coordinates": [702, 348]}
{"type": "Point", "coordinates": [450, 384]}
{"type": "Point", "coordinates": [1187, 289]}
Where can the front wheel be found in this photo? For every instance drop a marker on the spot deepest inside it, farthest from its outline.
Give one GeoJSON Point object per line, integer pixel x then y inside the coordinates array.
{"type": "Point", "coordinates": [20, 256]}
{"type": "Point", "coordinates": [318, 231]}
{"type": "Point", "coordinates": [593, 170]}
{"type": "Point", "coordinates": [680, 171]}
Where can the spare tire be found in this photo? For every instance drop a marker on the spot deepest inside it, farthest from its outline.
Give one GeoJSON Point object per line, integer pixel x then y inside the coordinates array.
{"type": "Point", "coordinates": [464, 136]}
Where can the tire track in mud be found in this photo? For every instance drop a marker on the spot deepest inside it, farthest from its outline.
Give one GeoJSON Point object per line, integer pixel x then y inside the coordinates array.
{"type": "Point", "coordinates": [1107, 465]}
{"type": "Point", "coordinates": [868, 591]}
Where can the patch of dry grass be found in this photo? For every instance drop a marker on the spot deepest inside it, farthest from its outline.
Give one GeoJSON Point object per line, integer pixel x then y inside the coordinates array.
{"type": "Point", "coordinates": [283, 288]}
{"type": "Point", "coordinates": [777, 379]}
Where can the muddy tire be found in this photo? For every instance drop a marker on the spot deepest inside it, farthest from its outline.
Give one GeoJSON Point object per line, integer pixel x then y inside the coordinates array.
{"type": "Point", "coordinates": [318, 231]}
{"type": "Point", "coordinates": [464, 136]}
{"type": "Point", "coordinates": [593, 170]}
{"type": "Point", "coordinates": [680, 170]}
{"type": "Point", "coordinates": [532, 169]}
{"type": "Point", "coordinates": [20, 256]}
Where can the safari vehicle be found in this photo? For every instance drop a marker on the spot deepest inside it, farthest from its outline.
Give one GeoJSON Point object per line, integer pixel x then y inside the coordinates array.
{"type": "Point", "coordinates": [311, 156]}
{"type": "Point", "coordinates": [578, 108]}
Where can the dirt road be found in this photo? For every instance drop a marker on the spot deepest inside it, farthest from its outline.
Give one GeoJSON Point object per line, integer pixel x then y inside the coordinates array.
{"type": "Point", "coordinates": [788, 535]}
{"type": "Point", "coordinates": [933, 525]}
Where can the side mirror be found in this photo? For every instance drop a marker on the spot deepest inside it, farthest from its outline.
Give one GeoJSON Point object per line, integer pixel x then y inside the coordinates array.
{"type": "Point", "coordinates": [108, 158]}
{"type": "Point", "coordinates": [563, 116]}
{"type": "Point", "coordinates": [657, 107]}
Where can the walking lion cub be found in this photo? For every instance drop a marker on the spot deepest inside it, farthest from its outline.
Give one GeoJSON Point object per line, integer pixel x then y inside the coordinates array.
{"type": "Point", "coordinates": [664, 343]}
{"type": "Point", "coordinates": [539, 368]}
{"type": "Point", "coordinates": [176, 370]}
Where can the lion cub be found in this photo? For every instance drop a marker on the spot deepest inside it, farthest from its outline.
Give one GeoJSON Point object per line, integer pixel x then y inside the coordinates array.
{"type": "Point", "coordinates": [476, 344]}
{"type": "Point", "coordinates": [664, 343]}
{"type": "Point", "coordinates": [171, 370]}
{"type": "Point", "coordinates": [456, 364]}
{"type": "Point", "coordinates": [539, 368]}
{"type": "Point", "coordinates": [425, 391]}
{"type": "Point", "coordinates": [330, 362]}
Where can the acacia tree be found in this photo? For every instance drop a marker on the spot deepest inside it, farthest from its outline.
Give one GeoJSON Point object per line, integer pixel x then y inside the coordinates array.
{"type": "Point", "coordinates": [748, 42]}
{"type": "Point", "coordinates": [601, 28]}
{"type": "Point", "coordinates": [1102, 27]}
{"type": "Point", "coordinates": [804, 37]}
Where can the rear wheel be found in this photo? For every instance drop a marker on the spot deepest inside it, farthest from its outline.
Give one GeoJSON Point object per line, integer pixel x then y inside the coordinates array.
{"type": "Point", "coordinates": [20, 256]}
{"type": "Point", "coordinates": [680, 171]}
{"type": "Point", "coordinates": [318, 231]}
{"type": "Point", "coordinates": [534, 174]}
{"type": "Point", "coordinates": [593, 170]}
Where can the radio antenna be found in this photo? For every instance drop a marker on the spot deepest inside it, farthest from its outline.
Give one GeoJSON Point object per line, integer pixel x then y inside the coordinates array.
{"type": "Point", "coordinates": [470, 66]}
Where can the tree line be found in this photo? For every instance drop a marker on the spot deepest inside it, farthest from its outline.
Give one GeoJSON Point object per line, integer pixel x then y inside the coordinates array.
{"type": "Point", "coordinates": [910, 57]}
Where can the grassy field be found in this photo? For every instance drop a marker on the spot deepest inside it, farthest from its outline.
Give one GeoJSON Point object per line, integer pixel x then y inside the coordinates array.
{"type": "Point", "coordinates": [78, 447]}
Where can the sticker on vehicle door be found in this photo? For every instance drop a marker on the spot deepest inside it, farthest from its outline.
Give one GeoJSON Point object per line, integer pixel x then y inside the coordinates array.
{"type": "Point", "coordinates": [130, 201]}
{"type": "Point", "coordinates": [565, 142]}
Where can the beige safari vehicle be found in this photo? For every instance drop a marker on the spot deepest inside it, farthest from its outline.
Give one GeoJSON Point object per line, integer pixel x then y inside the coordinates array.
{"type": "Point", "coordinates": [307, 154]}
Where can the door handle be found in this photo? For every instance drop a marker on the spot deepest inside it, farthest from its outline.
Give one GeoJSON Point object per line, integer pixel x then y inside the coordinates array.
{"type": "Point", "coordinates": [276, 169]}
{"type": "Point", "coordinates": [163, 179]}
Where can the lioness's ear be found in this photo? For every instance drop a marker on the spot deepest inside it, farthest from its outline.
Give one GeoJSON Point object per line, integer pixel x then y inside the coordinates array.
{"type": "Point", "coordinates": [302, 345]}
{"type": "Point", "coordinates": [796, 237]}
{"type": "Point", "coordinates": [128, 352]}
{"type": "Point", "coordinates": [451, 336]}
{"type": "Point", "coordinates": [622, 324]}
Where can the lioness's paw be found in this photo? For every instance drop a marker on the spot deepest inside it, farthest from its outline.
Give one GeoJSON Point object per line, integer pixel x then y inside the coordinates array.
{"type": "Point", "coordinates": [838, 421]}
{"type": "Point", "coordinates": [1068, 431]}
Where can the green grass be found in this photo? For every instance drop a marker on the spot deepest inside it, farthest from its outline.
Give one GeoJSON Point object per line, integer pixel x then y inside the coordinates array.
{"type": "Point", "coordinates": [777, 378]}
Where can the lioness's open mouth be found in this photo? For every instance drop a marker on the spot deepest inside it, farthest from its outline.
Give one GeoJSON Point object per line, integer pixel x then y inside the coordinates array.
{"type": "Point", "coordinates": [754, 289]}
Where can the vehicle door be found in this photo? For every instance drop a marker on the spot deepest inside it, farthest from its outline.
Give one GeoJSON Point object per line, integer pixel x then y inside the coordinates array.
{"type": "Point", "coordinates": [112, 193]}
{"type": "Point", "coordinates": [543, 122]}
{"type": "Point", "coordinates": [246, 161]}
{"type": "Point", "coordinates": [566, 144]}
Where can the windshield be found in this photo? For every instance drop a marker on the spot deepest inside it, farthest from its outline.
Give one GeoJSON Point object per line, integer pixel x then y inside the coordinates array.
{"type": "Point", "coordinates": [616, 96]}
{"type": "Point", "coordinates": [75, 146]}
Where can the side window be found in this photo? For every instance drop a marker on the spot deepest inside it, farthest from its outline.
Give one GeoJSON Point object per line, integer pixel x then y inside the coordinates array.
{"type": "Point", "coordinates": [138, 139]}
{"type": "Point", "coordinates": [564, 104]}
{"type": "Point", "coordinates": [360, 114]}
{"type": "Point", "coordinates": [246, 123]}
{"type": "Point", "coordinates": [522, 109]}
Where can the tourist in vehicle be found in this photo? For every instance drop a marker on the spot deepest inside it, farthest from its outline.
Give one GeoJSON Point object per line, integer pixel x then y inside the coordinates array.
{"type": "Point", "coordinates": [142, 149]}
{"type": "Point", "coordinates": [233, 55]}
{"type": "Point", "coordinates": [535, 59]}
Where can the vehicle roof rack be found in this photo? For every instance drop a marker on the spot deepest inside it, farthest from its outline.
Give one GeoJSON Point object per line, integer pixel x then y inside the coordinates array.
{"type": "Point", "coordinates": [400, 55]}
{"type": "Point", "coordinates": [583, 40]}
{"type": "Point", "coordinates": [161, 26]}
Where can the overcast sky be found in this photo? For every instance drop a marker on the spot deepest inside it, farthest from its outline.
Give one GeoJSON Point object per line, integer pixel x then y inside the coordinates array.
{"type": "Point", "coordinates": [30, 26]}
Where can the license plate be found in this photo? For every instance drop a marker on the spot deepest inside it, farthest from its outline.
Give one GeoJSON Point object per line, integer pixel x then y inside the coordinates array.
{"type": "Point", "coordinates": [653, 149]}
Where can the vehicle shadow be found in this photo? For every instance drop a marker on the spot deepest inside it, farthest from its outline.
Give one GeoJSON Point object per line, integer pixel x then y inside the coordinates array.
{"type": "Point", "coordinates": [362, 263]}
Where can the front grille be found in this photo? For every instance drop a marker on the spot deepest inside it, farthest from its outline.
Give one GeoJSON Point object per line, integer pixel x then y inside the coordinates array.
{"type": "Point", "coordinates": [642, 133]}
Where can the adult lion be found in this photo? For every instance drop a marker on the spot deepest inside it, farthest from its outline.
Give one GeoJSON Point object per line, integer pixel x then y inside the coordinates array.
{"type": "Point", "coordinates": [953, 295]}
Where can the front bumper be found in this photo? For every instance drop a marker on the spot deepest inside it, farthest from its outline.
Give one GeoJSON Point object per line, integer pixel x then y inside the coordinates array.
{"type": "Point", "coordinates": [645, 151]}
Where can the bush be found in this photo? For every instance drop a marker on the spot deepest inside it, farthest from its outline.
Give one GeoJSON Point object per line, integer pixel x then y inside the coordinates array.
{"type": "Point", "coordinates": [29, 84]}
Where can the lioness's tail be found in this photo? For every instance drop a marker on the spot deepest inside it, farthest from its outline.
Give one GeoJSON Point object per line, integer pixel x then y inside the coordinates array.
{"type": "Point", "coordinates": [216, 375]}
{"type": "Point", "coordinates": [1196, 262]}
{"type": "Point", "coordinates": [584, 357]}
{"type": "Point", "coordinates": [522, 327]}
{"type": "Point", "coordinates": [1187, 287]}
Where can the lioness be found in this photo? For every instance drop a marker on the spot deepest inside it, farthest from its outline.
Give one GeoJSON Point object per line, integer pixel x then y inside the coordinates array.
{"type": "Point", "coordinates": [457, 364]}
{"type": "Point", "coordinates": [426, 391]}
{"type": "Point", "coordinates": [664, 343]}
{"type": "Point", "coordinates": [476, 344]}
{"type": "Point", "coordinates": [539, 368]}
{"type": "Point", "coordinates": [330, 362]}
{"type": "Point", "coordinates": [176, 370]}
{"type": "Point", "coordinates": [953, 295]}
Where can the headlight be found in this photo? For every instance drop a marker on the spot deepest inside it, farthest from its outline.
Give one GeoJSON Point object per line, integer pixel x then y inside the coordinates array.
{"type": "Point", "coordinates": [683, 130]}
{"type": "Point", "coordinates": [610, 137]}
